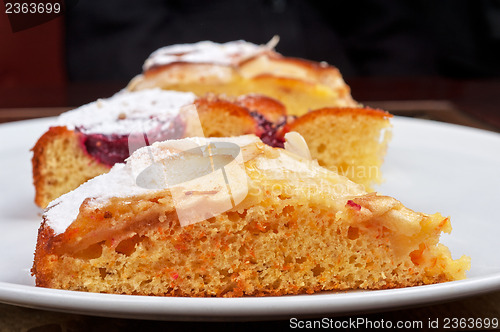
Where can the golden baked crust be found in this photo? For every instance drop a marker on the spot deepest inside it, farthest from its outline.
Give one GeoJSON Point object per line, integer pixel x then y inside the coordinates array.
{"type": "Point", "coordinates": [220, 117]}
{"type": "Point", "coordinates": [302, 233]}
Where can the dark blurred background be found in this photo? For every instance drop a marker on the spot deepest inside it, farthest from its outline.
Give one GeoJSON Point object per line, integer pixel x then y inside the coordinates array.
{"type": "Point", "coordinates": [110, 39]}
{"type": "Point", "coordinates": [98, 46]}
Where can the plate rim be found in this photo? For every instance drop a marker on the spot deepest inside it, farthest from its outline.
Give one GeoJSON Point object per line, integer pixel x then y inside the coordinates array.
{"type": "Point", "coordinates": [243, 308]}
{"type": "Point", "coordinates": [247, 308]}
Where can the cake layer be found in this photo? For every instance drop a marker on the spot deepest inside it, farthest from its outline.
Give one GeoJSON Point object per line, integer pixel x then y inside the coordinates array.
{"type": "Point", "coordinates": [291, 227]}
{"type": "Point", "coordinates": [351, 141]}
{"type": "Point", "coordinates": [239, 67]}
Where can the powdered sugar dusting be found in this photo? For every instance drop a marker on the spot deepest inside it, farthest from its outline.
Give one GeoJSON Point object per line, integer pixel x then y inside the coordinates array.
{"type": "Point", "coordinates": [228, 54]}
{"type": "Point", "coordinates": [121, 181]}
{"type": "Point", "coordinates": [142, 110]}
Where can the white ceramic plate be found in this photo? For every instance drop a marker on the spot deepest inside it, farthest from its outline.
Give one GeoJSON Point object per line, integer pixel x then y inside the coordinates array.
{"type": "Point", "coordinates": [430, 167]}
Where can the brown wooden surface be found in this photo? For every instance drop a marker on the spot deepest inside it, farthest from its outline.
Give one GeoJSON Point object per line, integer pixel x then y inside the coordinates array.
{"type": "Point", "coordinates": [472, 104]}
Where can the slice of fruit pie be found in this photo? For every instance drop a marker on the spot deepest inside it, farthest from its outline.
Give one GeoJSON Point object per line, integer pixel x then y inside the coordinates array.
{"type": "Point", "coordinates": [235, 217]}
